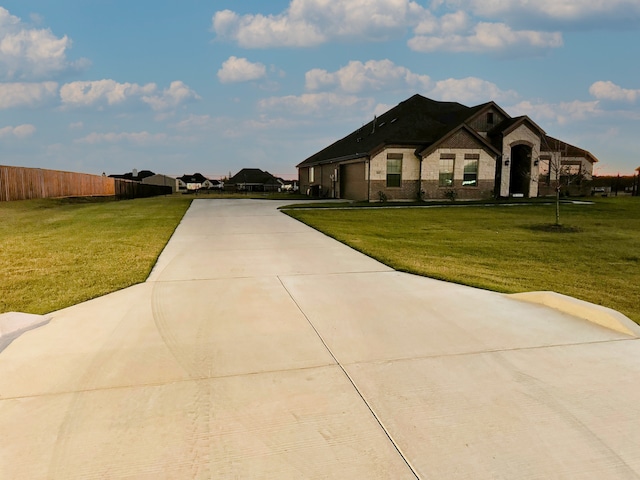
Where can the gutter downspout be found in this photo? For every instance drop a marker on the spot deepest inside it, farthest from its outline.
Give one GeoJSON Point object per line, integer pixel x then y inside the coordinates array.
{"type": "Point", "coordinates": [420, 179]}
{"type": "Point", "coordinates": [369, 180]}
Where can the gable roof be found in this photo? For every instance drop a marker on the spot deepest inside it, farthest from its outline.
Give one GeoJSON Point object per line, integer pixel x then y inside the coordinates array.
{"type": "Point", "coordinates": [486, 107]}
{"type": "Point", "coordinates": [551, 144]}
{"type": "Point", "coordinates": [195, 178]}
{"type": "Point", "coordinates": [142, 174]}
{"type": "Point", "coordinates": [253, 176]}
{"type": "Point", "coordinates": [482, 141]}
{"type": "Point", "coordinates": [510, 124]}
{"type": "Point", "coordinates": [417, 121]}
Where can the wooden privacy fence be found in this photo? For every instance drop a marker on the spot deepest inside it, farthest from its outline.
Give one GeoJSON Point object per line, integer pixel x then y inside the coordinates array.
{"type": "Point", "coordinates": [130, 189]}
{"type": "Point", "coordinates": [19, 183]}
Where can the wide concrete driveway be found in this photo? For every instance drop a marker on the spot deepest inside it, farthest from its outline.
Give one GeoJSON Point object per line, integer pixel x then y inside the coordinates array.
{"type": "Point", "coordinates": [259, 348]}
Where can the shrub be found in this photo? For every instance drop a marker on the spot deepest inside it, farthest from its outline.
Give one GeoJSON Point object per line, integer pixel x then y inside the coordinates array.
{"type": "Point", "coordinates": [451, 194]}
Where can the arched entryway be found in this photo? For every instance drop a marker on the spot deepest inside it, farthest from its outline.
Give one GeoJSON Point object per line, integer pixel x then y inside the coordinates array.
{"type": "Point", "coordinates": [520, 179]}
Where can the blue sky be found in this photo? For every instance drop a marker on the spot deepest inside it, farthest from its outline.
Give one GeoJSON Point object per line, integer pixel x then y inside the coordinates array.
{"type": "Point", "coordinates": [214, 86]}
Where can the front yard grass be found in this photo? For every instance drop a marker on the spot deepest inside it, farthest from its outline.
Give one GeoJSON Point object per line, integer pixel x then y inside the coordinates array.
{"type": "Point", "coordinates": [506, 249]}
{"type": "Point", "coordinates": [58, 252]}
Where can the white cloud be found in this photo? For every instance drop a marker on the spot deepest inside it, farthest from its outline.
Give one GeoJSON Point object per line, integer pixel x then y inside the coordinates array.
{"type": "Point", "coordinates": [377, 75]}
{"type": "Point", "coordinates": [172, 97]}
{"type": "Point", "coordinates": [101, 92]}
{"type": "Point", "coordinates": [137, 138]}
{"type": "Point", "coordinates": [382, 108]}
{"type": "Point", "coordinates": [26, 94]}
{"type": "Point", "coordinates": [28, 53]}
{"type": "Point", "coordinates": [561, 113]}
{"type": "Point", "coordinates": [308, 23]}
{"type": "Point", "coordinates": [260, 126]}
{"type": "Point", "coordinates": [565, 11]}
{"type": "Point", "coordinates": [236, 69]}
{"type": "Point", "coordinates": [194, 122]}
{"type": "Point", "coordinates": [264, 123]}
{"type": "Point", "coordinates": [371, 75]}
{"type": "Point", "coordinates": [610, 91]}
{"type": "Point", "coordinates": [470, 90]}
{"type": "Point", "coordinates": [108, 92]}
{"type": "Point", "coordinates": [486, 37]}
{"type": "Point", "coordinates": [20, 131]}
{"type": "Point", "coordinates": [316, 103]}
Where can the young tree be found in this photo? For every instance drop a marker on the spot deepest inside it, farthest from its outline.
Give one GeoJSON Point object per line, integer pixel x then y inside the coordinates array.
{"type": "Point", "coordinates": [560, 175]}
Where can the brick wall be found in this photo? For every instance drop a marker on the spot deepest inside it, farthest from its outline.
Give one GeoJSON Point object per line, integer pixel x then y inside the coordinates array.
{"type": "Point", "coordinates": [408, 190]}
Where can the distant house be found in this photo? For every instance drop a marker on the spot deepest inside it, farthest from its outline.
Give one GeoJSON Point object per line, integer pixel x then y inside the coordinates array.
{"type": "Point", "coordinates": [290, 186]}
{"type": "Point", "coordinates": [162, 180]}
{"type": "Point", "coordinates": [134, 175]}
{"type": "Point", "coordinates": [196, 181]}
{"type": "Point", "coordinates": [254, 180]}
{"type": "Point", "coordinates": [216, 184]}
{"type": "Point", "coordinates": [429, 149]}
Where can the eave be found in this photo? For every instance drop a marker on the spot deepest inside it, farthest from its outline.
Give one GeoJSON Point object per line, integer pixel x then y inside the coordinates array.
{"type": "Point", "coordinates": [434, 146]}
{"type": "Point", "coordinates": [342, 159]}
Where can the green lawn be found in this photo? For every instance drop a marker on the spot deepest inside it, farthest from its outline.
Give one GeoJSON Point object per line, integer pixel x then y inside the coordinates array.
{"type": "Point", "coordinates": [504, 248]}
{"type": "Point", "coordinates": [56, 253]}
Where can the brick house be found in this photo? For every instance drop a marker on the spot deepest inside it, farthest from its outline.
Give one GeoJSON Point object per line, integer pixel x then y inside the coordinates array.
{"type": "Point", "coordinates": [426, 148]}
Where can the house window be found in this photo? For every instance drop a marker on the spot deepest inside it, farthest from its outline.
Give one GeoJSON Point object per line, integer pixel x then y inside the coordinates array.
{"type": "Point", "coordinates": [544, 170]}
{"type": "Point", "coordinates": [394, 169]}
{"type": "Point", "coordinates": [470, 175]}
{"type": "Point", "coordinates": [490, 118]}
{"type": "Point", "coordinates": [312, 176]}
{"type": "Point", "coordinates": [445, 177]}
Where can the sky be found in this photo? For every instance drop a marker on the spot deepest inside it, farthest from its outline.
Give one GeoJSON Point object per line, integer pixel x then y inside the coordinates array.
{"type": "Point", "coordinates": [213, 86]}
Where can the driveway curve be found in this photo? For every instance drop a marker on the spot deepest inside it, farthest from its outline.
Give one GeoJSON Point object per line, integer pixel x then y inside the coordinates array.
{"type": "Point", "coordinates": [260, 348]}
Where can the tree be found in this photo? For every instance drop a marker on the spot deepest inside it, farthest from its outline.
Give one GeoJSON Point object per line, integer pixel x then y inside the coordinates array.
{"type": "Point", "coordinates": [559, 174]}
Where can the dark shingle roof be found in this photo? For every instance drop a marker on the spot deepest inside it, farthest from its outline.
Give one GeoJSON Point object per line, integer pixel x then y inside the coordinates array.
{"type": "Point", "coordinates": [253, 176]}
{"type": "Point", "coordinates": [142, 174]}
{"type": "Point", "coordinates": [195, 178]}
{"type": "Point", "coordinates": [417, 121]}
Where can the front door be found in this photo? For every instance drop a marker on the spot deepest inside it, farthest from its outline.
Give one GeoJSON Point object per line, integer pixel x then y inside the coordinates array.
{"type": "Point", "coordinates": [520, 179]}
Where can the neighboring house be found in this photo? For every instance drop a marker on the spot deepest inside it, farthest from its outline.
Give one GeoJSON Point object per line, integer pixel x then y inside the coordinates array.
{"type": "Point", "coordinates": [135, 175]}
{"type": "Point", "coordinates": [216, 185]}
{"type": "Point", "coordinates": [196, 181]}
{"type": "Point", "coordinates": [254, 180]}
{"type": "Point", "coordinates": [162, 180]}
{"type": "Point", "coordinates": [429, 149]}
{"type": "Point", "coordinates": [290, 186]}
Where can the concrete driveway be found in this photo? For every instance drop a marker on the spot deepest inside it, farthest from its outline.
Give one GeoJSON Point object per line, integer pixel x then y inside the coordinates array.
{"type": "Point", "coordinates": [260, 348]}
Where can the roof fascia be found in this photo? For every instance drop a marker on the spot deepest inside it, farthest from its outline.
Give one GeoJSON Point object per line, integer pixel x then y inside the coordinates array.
{"type": "Point", "coordinates": [394, 144]}
{"type": "Point", "coordinates": [431, 148]}
{"type": "Point", "coordinates": [519, 122]}
{"type": "Point", "coordinates": [342, 159]}
{"type": "Point", "coordinates": [484, 109]}
{"type": "Point", "coordinates": [589, 156]}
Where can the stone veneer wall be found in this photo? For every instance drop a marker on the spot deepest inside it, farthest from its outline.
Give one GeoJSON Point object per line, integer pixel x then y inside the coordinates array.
{"type": "Point", "coordinates": [521, 135]}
